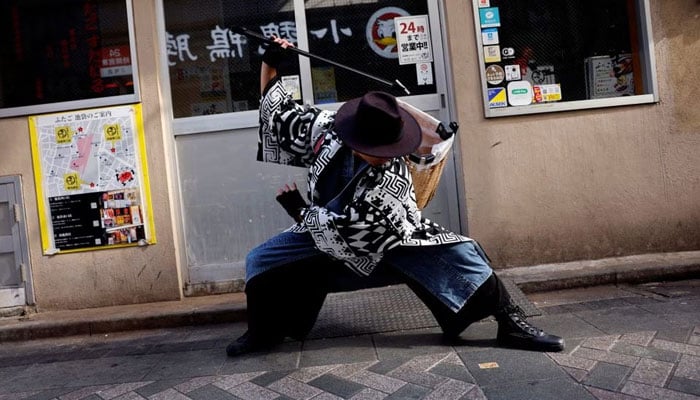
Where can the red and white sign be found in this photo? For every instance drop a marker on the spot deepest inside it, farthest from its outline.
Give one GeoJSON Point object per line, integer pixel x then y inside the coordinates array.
{"type": "Point", "coordinates": [116, 61]}
{"type": "Point", "coordinates": [413, 39]}
{"type": "Point", "coordinates": [380, 31]}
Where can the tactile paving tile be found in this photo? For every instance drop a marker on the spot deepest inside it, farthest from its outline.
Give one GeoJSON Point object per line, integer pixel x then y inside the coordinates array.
{"type": "Point", "coordinates": [386, 309]}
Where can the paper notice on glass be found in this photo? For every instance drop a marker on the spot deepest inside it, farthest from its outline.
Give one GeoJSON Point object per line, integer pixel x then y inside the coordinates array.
{"type": "Point", "coordinates": [413, 39]}
{"type": "Point", "coordinates": [424, 73]}
{"type": "Point", "coordinates": [292, 84]}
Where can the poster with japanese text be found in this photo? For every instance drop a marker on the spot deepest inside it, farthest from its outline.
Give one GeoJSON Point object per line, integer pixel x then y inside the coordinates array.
{"type": "Point", "coordinates": [92, 179]}
{"type": "Point", "coordinates": [413, 39]}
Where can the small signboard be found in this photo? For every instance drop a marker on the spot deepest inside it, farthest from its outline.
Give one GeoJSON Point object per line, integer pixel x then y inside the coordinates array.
{"type": "Point", "coordinates": [116, 61]}
{"type": "Point", "coordinates": [413, 39]}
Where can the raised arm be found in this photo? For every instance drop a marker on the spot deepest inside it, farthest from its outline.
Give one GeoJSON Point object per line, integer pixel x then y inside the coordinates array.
{"type": "Point", "coordinates": [271, 60]}
{"type": "Point", "coordinates": [287, 130]}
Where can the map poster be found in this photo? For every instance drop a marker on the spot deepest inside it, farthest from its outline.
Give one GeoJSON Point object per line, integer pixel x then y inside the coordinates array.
{"type": "Point", "coordinates": [91, 179]}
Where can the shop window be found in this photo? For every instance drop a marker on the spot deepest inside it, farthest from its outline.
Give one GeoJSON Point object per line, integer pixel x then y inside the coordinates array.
{"type": "Point", "coordinates": [215, 70]}
{"type": "Point", "coordinates": [363, 36]}
{"type": "Point", "coordinates": [553, 55]}
{"type": "Point", "coordinates": [65, 54]}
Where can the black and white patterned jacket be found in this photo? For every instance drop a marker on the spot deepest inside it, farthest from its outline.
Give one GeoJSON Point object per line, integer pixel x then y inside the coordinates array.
{"type": "Point", "coordinates": [380, 214]}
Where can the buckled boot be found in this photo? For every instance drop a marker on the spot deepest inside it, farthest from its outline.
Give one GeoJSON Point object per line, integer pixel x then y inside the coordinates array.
{"type": "Point", "coordinates": [515, 331]}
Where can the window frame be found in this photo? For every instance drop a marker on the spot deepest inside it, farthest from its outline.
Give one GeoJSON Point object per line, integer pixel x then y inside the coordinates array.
{"type": "Point", "coordinates": [648, 74]}
{"type": "Point", "coordinates": [93, 102]}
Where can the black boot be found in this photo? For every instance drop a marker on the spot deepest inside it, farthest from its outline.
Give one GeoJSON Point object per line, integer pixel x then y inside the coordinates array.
{"type": "Point", "coordinates": [262, 316]}
{"type": "Point", "coordinates": [515, 331]}
{"type": "Point", "coordinates": [284, 301]}
{"type": "Point", "coordinates": [250, 343]}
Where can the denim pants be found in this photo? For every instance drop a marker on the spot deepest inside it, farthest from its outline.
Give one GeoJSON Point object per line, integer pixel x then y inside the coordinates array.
{"type": "Point", "coordinates": [450, 272]}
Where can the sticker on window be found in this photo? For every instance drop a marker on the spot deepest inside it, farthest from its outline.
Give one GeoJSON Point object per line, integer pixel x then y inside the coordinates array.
{"type": "Point", "coordinates": [495, 74]}
{"type": "Point", "coordinates": [497, 97]}
{"type": "Point", "coordinates": [520, 93]}
{"type": "Point", "coordinates": [512, 72]}
{"type": "Point", "coordinates": [489, 36]}
{"type": "Point", "coordinates": [492, 54]}
{"type": "Point", "coordinates": [547, 93]}
{"type": "Point", "coordinates": [489, 17]}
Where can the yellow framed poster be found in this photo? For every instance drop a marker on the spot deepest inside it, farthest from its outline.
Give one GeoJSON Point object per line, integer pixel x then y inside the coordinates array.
{"type": "Point", "coordinates": [91, 179]}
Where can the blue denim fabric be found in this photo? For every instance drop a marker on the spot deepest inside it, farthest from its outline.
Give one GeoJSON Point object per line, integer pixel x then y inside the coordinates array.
{"type": "Point", "coordinates": [281, 249]}
{"type": "Point", "coordinates": [451, 272]}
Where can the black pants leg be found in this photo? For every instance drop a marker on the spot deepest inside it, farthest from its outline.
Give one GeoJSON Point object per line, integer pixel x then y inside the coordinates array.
{"type": "Point", "coordinates": [286, 300]}
{"type": "Point", "coordinates": [487, 300]}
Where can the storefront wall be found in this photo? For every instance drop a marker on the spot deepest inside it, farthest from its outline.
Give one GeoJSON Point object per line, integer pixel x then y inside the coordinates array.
{"type": "Point", "coordinates": [587, 184]}
{"type": "Point", "coordinates": [104, 277]}
{"type": "Point", "coordinates": [538, 189]}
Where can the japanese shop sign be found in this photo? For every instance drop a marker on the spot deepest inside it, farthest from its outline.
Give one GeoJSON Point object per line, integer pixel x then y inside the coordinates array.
{"type": "Point", "coordinates": [91, 179]}
{"type": "Point", "coordinates": [413, 39]}
{"type": "Point", "coordinates": [382, 35]}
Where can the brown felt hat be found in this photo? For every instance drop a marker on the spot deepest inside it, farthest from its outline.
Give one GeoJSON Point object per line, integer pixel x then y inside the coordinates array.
{"type": "Point", "coordinates": [376, 125]}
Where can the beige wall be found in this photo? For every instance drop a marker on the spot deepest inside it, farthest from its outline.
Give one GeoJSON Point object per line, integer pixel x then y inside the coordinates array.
{"type": "Point", "coordinates": [586, 184]}
{"type": "Point", "coordinates": [104, 277]}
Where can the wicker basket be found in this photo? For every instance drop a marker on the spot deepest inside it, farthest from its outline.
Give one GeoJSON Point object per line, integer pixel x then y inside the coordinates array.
{"type": "Point", "coordinates": [432, 154]}
{"type": "Point", "coordinates": [426, 181]}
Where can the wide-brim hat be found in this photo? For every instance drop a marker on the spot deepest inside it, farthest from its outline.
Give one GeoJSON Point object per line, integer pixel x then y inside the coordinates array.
{"type": "Point", "coordinates": [376, 125]}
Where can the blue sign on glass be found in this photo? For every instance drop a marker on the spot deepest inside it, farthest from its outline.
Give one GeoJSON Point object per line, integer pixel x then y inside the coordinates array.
{"type": "Point", "coordinates": [489, 17]}
{"type": "Point", "coordinates": [497, 97]}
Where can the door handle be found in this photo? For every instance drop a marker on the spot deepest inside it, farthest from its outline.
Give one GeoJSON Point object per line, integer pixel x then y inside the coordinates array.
{"type": "Point", "coordinates": [18, 215]}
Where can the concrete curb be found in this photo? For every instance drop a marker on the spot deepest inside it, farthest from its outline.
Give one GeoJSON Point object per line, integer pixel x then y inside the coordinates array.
{"type": "Point", "coordinates": [58, 328]}
{"type": "Point", "coordinates": [231, 308]}
{"type": "Point", "coordinates": [170, 314]}
{"type": "Point", "coordinates": [630, 269]}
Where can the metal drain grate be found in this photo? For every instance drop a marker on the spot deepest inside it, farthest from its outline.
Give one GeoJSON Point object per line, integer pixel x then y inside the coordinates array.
{"type": "Point", "coordinates": [369, 311]}
{"type": "Point", "coordinates": [386, 309]}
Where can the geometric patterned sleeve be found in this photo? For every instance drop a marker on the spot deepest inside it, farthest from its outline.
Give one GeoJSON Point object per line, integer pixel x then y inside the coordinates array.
{"type": "Point", "coordinates": [288, 130]}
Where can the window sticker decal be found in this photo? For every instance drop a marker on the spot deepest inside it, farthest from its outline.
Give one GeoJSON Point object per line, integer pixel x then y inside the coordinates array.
{"type": "Point", "coordinates": [497, 97]}
{"type": "Point", "coordinates": [489, 17]}
{"type": "Point", "coordinates": [381, 32]}
{"type": "Point", "coordinates": [520, 93]}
